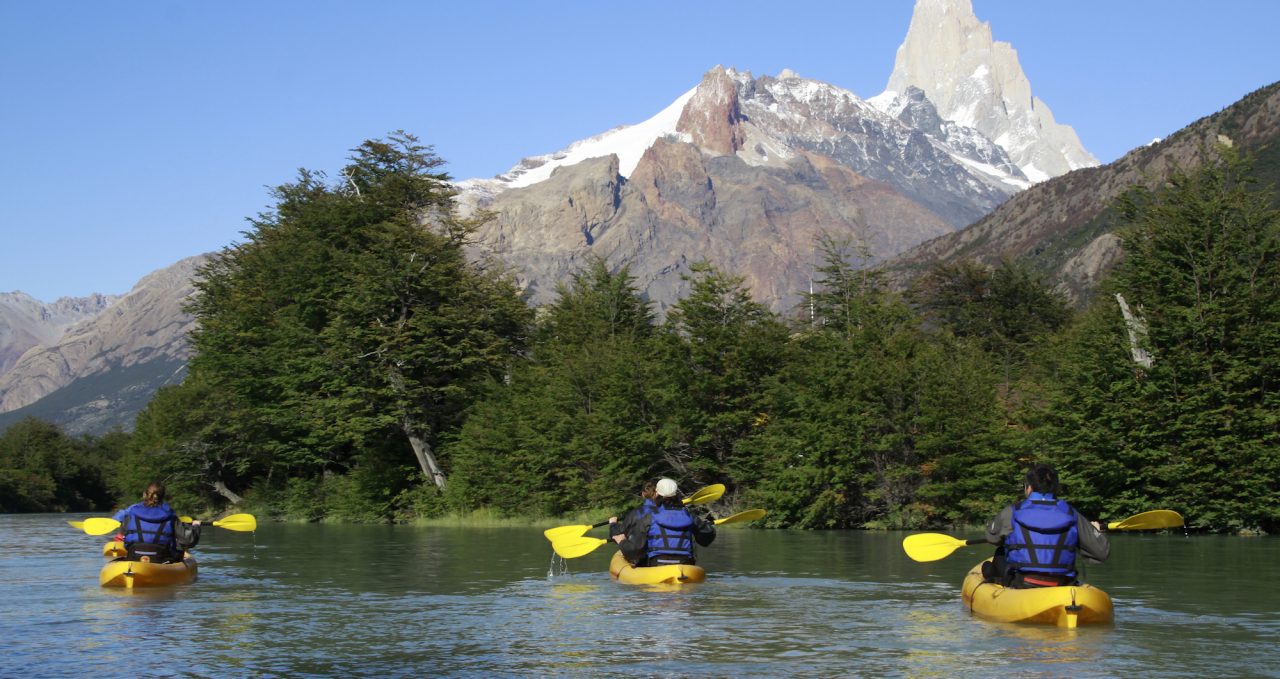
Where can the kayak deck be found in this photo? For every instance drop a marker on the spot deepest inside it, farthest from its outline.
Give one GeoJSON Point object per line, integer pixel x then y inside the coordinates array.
{"type": "Point", "coordinates": [1066, 606]}
{"type": "Point", "coordinates": [677, 574]}
{"type": "Point", "coordinates": [124, 573]}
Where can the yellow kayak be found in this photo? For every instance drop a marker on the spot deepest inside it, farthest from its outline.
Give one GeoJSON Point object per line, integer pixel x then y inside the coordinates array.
{"type": "Point", "coordinates": [654, 575]}
{"type": "Point", "coordinates": [114, 549]}
{"type": "Point", "coordinates": [123, 573]}
{"type": "Point", "coordinates": [1066, 606]}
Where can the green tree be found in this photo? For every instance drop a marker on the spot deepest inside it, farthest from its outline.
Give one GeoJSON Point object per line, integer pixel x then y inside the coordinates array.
{"type": "Point", "coordinates": [875, 421]}
{"type": "Point", "coordinates": [187, 438]}
{"type": "Point", "coordinates": [1007, 310]}
{"type": "Point", "coordinates": [1198, 431]}
{"type": "Point", "coordinates": [577, 425]}
{"type": "Point", "coordinates": [720, 346]}
{"type": "Point", "coordinates": [44, 470]}
{"type": "Point", "coordinates": [350, 323]}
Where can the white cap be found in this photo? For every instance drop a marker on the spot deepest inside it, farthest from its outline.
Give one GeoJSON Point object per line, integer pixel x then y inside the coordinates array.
{"type": "Point", "coordinates": [666, 488]}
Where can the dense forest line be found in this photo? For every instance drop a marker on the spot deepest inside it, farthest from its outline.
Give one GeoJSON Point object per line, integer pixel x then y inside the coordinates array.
{"type": "Point", "coordinates": [354, 363]}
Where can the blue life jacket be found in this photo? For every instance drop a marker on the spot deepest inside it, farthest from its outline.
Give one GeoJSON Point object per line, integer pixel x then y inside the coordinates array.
{"type": "Point", "coordinates": [1044, 537]}
{"type": "Point", "coordinates": [149, 525]}
{"type": "Point", "coordinates": [670, 532]}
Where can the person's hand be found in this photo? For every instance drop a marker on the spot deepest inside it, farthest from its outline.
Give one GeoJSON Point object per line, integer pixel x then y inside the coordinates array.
{"type": "Point", "coordinates": [619, 538]}
{"type": "Point", "coordinates": [197, 523]}
{"type": "Point", "coordinates": [613, 519]}
{"type": "Point", "coordinates": [1096, 526]}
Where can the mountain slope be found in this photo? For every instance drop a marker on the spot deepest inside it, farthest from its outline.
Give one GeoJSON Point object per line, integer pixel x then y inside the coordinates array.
{"type": "Point", "coordinates": [977, 82]}
{"type": "Point", "coordinates": [26, 322]}
{"type": "Point", "coordinates": [1064, 226]}
{"type": "Point", "coordinates": [143, 334]}
{"type": "Point", "coordinates": [748, 175]}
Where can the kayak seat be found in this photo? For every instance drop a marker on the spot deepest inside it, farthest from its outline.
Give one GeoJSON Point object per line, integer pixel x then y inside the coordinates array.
{"type": "Point", "coordinates": [153, 553]}
{"type": "Point", "coordinates": [670, 560]}
{"type": "Point", "coordinates": [1031, 580]}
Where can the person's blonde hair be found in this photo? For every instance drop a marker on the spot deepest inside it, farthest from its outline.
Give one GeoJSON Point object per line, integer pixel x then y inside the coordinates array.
{"type": "Point", "coordinates": [153, 496]}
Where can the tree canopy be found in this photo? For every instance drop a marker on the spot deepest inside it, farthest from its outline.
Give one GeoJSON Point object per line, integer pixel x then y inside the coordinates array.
{"type": "Point", "coordinates": [356, 360]}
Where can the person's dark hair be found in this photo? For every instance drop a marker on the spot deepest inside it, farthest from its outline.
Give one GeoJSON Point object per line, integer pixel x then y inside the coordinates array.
{"type": "Point", "coordinates": [1042, 479]}
{"type": "Point", "coordinates": [649, 488]}
{"type": "Point", "coordinates": [672, 502]}
{"type": "Point", "coordinates": [153, 496]}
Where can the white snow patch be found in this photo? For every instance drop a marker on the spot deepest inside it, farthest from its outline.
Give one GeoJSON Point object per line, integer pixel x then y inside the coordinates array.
{"type": "Point", "coordinates": [628, 142]}
{"type": "Point", "coordinates": [996, 173]}
{"type": "Point", "coordinates": [1035, 174]}
{"type": "Point", "coordinates": [966, 116]}
{"type": "Point", "coordinates": [884, 101]}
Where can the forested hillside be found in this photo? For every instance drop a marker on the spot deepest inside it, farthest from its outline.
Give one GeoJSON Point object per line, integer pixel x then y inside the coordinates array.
{"type": "Point", "coordinates": [353, 364]}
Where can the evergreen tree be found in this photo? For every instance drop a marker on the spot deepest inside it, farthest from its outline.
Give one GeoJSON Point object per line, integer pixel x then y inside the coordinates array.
{"type": "Point", "coordinates": [1197, 431]}
{"type": "Point", "coordinates": [350, 323]}
{"type": "Point", "coordinates": [44, 470]}
{"type": "Point", "coordinates": [576, 426]}
{"type": "Point", "coordinates": [1006, 310]}
{"type": "Point", "coordinates": [876, 422]}
{"type": "Point", "coordinates": [720, 346]}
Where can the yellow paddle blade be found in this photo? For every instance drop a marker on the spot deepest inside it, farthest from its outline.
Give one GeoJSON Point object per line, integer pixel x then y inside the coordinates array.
{"type": "Point", "coordinates": [1153, 520]}
{"type": "Point", "coordinates": [241, 522]}
{"type": "Point", "coordinates": [78, 525]}
{"type": "Point", "coordinates": [749, 515]}
{"type": "Point", "coordinates": [185, 519]}
{"type": "Point", "coordinates": [99, 525]}
{"type": "Point", "coordinates": [565, 532]}
{"type": "Point", "coordinates": [930, 546]}
{"type": "Point", "coordinates": [704, 495]}
{"type": "Point", "coordinates": [574, 548]}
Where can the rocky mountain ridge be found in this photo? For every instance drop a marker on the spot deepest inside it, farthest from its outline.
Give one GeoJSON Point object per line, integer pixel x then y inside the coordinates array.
{"type": "Point", "coordinates": [746, 172]}
{"type": "Point", "coordinates": [26, 322]}
{"type": "Point", "coordinates": [136, 332]}
{"type": "Point", "coordinates": [1065, 227]}
{"type": "Point", "coordinates": [976, 81]}
{"type": "Point", "coordinates": [750, 174]}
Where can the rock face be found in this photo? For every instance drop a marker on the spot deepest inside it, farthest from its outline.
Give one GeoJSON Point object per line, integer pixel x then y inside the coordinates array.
{"type": "Point", "coordinates": [1064, 226]}
{"type": "Point", "coordinates": [747, 173]}
{"type": "Point", "coordinates": [143, 327]}
{"type": "Point", "coordinates": [26, 322]}
{"type": "Point", "coordinates": [977, 82]}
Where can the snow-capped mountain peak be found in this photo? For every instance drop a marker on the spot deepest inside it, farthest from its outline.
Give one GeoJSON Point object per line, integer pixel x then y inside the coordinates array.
{"type": "Point", "coordinates": [628, 142]}
{"type": "Point", "coordinates": [977, 82]}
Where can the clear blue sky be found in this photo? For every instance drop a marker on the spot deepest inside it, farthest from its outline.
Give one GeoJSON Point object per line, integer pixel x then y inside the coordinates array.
{"type": "Point", "coordinates": [134, 134]}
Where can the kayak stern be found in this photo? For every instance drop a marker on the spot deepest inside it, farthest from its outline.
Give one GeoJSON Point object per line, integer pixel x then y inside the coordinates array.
{"type": "Point", "coordinates": [1067, 606]}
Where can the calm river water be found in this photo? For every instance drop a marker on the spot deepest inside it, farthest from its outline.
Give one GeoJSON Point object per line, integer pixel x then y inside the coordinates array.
{"type": "Point", "coordinates": [323, 601]}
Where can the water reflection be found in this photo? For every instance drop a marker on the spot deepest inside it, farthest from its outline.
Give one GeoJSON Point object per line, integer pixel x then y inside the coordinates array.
{"type": "Point", "coordinates": [305, 600]}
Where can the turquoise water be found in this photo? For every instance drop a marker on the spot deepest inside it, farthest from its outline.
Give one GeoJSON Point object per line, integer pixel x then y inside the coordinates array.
{"type": "Point", "coordinates": [322, 601]}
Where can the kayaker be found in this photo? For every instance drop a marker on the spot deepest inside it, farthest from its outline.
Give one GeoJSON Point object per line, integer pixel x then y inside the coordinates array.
{"type": "Point", "coordinates": [152, 531]}
{"type": "Point", "coordinates": [667, 534]}
{"type": "Point", "coordinates": [1038, 539]}
{"type": "Point", "coordinates": [647, 505]}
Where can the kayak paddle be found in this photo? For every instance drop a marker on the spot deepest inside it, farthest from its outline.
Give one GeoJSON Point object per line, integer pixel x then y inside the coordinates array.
{"type": "Point", "coordinates": [704, 495]}
{"type": "Point", "coordinates": [748, 515]}
{"type": "Point", "coordinates": [236, 522]}
{"type": "Point", "coordinates": [572, 547]}
{"type": "Point", "coordinates": [933, 546]}
{"type": "Point", "coordinates": [701, 496]}
{"type": "Point", "coordinates": [1153, 520]}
